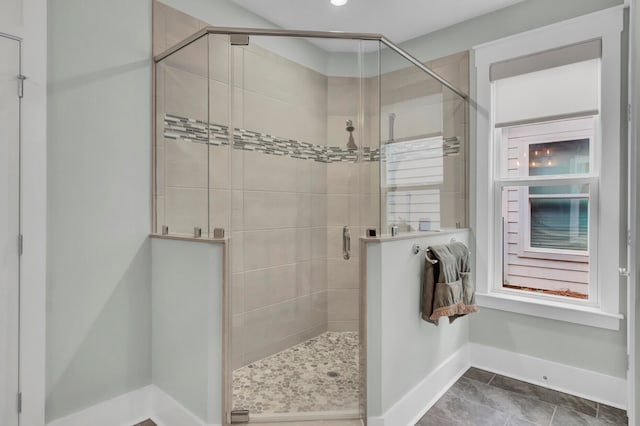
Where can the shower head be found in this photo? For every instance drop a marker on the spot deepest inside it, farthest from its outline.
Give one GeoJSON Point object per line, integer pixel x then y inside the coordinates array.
{"type": "Point", "coordinates": [350, 127]}
{"type": "Point", "coordinates": [351, 144]}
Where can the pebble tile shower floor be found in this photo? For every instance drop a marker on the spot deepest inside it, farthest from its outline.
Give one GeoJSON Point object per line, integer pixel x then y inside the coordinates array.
{"type": "Point", "coordinates": [320, 374]}
{"type": "Point", "coordinates": [481, 398]}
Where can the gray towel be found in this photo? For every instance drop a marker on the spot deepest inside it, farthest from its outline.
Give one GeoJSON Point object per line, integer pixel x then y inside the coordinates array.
{"type": "Point", "coordinates": [447, 289]}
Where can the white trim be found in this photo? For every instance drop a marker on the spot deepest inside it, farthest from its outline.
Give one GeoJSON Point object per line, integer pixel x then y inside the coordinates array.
{"type": "Point", "coordinates": [149, 402]}
{"type": "Point", "coordinates": [33, 210]}
{"type": "Point", "coordinates": [632, 253]}
{"type": "Point", "coordinates": [124, 410]}
{"type": "Point", "coordinates": [587, 384]}
{"type": "Point", "coordinates": [415, 403]}
{"type": "Point", "coordinates": [606, 25]}
{"type": "Point", "coordinates": [166, 411]}
{"type": "Point", "coordinates": [548, 308]}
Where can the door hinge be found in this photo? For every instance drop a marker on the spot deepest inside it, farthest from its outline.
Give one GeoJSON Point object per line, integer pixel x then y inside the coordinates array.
{"type": "Point", "coordinates": [20, 245]}
{"type": "Point", "coordinates": [21, 79]}
{"type": "Point", "coordinates": [628, 361]}
{"type": "Point", "coordinates": [19, 402]}
{"type": "Point", "coordinates": [628, 237]}
{"type": "Point", "coordinates": [629, 112]}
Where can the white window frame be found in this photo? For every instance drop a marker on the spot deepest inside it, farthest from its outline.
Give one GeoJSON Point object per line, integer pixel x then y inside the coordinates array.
{"type": "Point", "coordinates": [602, 308]}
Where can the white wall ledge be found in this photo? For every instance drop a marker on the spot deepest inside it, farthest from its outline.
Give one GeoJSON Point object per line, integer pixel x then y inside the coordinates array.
{"type": "Point", "coordinates": [413, 235]}
{"type": "Point", "coordinates": [583, 315]}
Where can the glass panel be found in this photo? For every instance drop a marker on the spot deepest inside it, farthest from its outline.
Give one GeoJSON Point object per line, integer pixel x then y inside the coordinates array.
{"type": "Point", "coordinates": [305, 163]}
{"type": "Point", "coordinates": [182, 141]}
{"type": "Point", "coordinates": [546, 239]}
{"type": "Point", "coordinates": [422, 124]}
{"type": "Point", "coordinates": [220, 150]}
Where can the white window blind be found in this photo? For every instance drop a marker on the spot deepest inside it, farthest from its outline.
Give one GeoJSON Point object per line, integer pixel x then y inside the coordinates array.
{"type": "Point", "coordinates": [561, 92]}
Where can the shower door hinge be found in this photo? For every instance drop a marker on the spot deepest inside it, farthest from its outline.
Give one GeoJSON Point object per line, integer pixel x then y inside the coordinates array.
{"type": "Point", "coordinates": [239, 39]}
{"type": "Point", "coordinates": [629, 112]}
{"type": "Point", "coordinates": [21, 79]}
{"type": "Point", "coordinates": [628, 237]}
{"type": "Point", "coordinates": [19, 402]}
{"type": "Point", "coordinates": [20, 244]}
{"type": "Point", "coordinates": [239, 416]}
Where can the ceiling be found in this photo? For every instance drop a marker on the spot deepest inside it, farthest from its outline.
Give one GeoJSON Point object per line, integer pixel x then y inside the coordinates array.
{"type": "Point", "coordinates": [398, 20]}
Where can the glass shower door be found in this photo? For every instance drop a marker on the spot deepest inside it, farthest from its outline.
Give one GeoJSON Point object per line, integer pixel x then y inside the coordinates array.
{"type": "Point", "coordinates": [299, 140]}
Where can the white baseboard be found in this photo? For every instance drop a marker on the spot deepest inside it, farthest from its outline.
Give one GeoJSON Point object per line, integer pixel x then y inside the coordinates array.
{"type": "Point", "coordinates": [124, 410]}
{"type": "Point", "coordinates": [415, 403]}
{"type": "Point", "coordinates": [587, 384]}
{"type": "Point", "coordinates": [149, 402]}
{"type": "Point", "coordinates": [166, 411]}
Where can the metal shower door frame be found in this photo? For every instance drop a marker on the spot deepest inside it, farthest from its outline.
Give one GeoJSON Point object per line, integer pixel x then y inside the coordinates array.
{"type": "Point", "coordinates": [241, 35]}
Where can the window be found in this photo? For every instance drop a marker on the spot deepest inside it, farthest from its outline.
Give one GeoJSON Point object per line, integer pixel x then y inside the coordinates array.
{"type": "Point", "coordinates": [547, 202]}
{"type": "Point", "coordinates": [546, 222]}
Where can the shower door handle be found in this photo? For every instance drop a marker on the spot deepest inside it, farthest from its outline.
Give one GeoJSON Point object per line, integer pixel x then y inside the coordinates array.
{"type": "Point", "coordinates": [346, 243]}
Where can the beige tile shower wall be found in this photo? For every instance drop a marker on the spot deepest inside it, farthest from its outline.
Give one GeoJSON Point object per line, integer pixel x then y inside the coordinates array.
{"type": "Point", "coordinates": [280, 255]}
{"type": "Point", "coordinates": [352, 193]}
{"type": "Point", "coordinates": [274, 207]}
{"type": "Point", "coordinates": [192, 179]}
{"type": "Point", "coordinates": [282, 260]}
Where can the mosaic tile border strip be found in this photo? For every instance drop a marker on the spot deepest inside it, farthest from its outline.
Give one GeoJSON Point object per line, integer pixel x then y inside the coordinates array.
{"type": "Point", "coordinates": [190, 130]}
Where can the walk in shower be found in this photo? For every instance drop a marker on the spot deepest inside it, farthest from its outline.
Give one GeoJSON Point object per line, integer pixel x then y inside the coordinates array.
{"type": "Point", "coordinates": [291, 146]}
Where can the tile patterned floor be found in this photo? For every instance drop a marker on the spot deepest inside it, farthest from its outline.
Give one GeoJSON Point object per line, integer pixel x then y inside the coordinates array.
{"type": "Point", "coordinates": [321, 374]}
{"type": "Point", "coordinates": [148, 422]}
{"type": "Point", "coordinates": [481, 398]}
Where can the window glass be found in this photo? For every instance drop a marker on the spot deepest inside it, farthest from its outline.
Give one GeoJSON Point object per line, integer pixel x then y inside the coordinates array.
{"type": "Point", "coordinates": [545, 239]}
{"type": "Point", "coordinates": [559, 158]}
{"type": "Point", "coordinates": [560, 223]}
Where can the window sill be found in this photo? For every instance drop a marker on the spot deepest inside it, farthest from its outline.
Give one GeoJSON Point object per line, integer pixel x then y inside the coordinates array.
{"type": "Point", "coordinates": [583, 315]}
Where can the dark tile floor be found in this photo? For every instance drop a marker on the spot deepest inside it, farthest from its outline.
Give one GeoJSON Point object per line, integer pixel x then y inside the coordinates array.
{"type": "Point", "coordinates": [481, 398]}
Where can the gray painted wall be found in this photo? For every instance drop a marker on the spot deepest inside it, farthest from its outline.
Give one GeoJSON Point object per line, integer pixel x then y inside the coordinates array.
{"type": "Point", "coordinates": [99, 151]}
{"type": "Point", "coordinates": [590, 348]}
{"type": "Point", "coordinates": [520, 17]}
{"type": "Point", "coordinates": [187, 324]}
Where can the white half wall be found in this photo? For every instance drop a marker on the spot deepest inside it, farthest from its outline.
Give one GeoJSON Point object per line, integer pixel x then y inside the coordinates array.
{"type": "Point", "coordinates": [187, 280]}
{"type": "Point", "coordinates": [402, 349]}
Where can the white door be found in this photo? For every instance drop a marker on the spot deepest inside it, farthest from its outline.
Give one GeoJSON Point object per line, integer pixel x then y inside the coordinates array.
{"type": "Point", "coordinates": [9, 229]}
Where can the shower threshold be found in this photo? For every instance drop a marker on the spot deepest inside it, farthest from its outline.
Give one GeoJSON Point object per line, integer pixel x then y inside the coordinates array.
{"type": "Point", "coordinates": [318, 379]}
